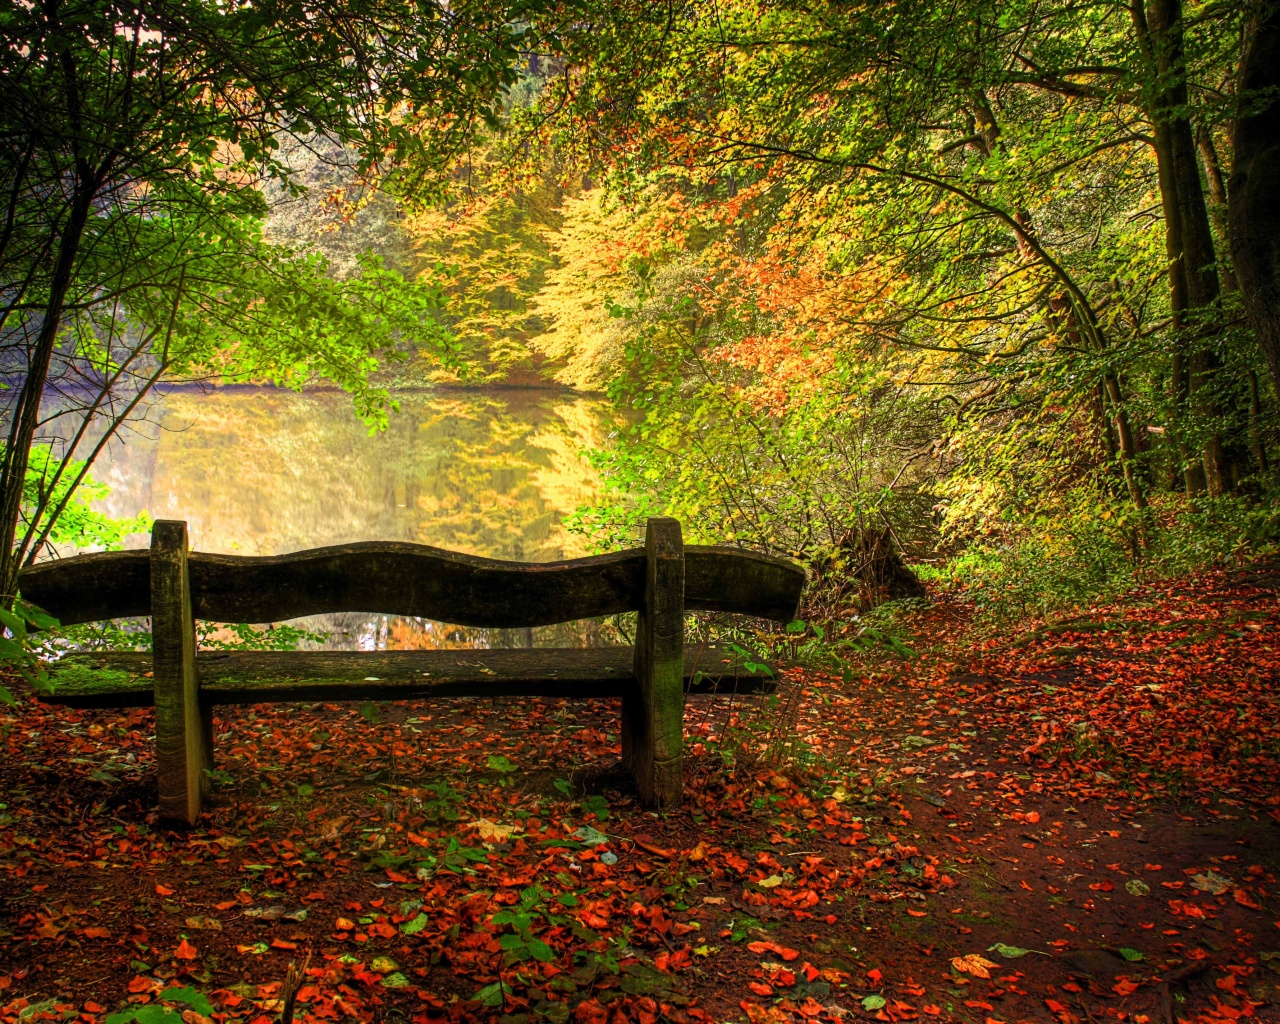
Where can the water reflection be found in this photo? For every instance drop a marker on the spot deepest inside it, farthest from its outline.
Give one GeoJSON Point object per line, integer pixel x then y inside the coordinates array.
{"type": "Point", "coordinates": [263, 471]}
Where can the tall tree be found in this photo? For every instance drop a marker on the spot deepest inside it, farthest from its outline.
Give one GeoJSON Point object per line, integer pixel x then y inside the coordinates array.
{"type": "Point", "coordinates": [117, 113]}
{"type": "Point", "coordinates": [1253, 196]}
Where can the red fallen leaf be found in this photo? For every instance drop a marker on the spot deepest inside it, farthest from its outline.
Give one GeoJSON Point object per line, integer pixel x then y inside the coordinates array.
{"type": "Point", "coordinates": [978, 1004]}
{"type": "Point", "coordinates": [875, 976]}
{"type": "Point", "coordinates": [1104, 886]}
{"type": "Point", "coordinates": [226, 904]}
{"type": "Point", "coordinates": [92, 1007]}
{"type": "Point", "coordinates": [96, 933]}
{"type": "Point", "coordinates": [773, 947]}
{"type": "Point", "coordinates": [1125, 987]}
{"type": "Point", "coordinates": [760, 989]}
{"type": "Point", "coordinates": [281, 944]}
{"type": "Point", "coordinates": [916, 913]}
{"type": "Point", "coordinates": [656, 851]}
{"type": "Point", "coordinates": [1243, 899]}
{"type": "Point", "coordinates": [382, 930]}
{"type": "Point", "coordinates": [810, 972]}
{"type": "Point", "coordinates": [344, 924]}
{"type": "Point", "coordinates": [1227, 984]}
{"type": "Point", "coordinates": [312, 897]}
{"type": "Point", "coordinates": [163, 890]}
{"type": "Point", "coordinates": [1055, 1006]}
{"type": "Point", "coordinates": [185, 951]}
{"type": "Point", "coordinates": [141, 984]}
{"type": "Point", "coordinates": [397, 876]}
{"type": "Point", "coordinates": [1033, 816]}
{"type": "Point", "coordinates": [932, 1009]}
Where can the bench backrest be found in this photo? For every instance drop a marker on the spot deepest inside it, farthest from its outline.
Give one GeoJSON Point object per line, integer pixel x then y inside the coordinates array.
{"type": "Point", "coordinates": [411, 579]}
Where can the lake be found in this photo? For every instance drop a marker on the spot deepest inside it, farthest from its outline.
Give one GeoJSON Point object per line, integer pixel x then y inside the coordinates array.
{"type": "Point", "coordinates": [262, 471]}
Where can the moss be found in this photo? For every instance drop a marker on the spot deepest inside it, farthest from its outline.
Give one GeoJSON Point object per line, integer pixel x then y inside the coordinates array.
{"type": "Point", "coordinates": [76, 678]}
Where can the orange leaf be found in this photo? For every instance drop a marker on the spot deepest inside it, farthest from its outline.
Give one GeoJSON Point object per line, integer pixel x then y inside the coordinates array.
{"type": "Point", "coordinates": [1244, 900]}
{"type": "Point", "coordinates": [281, 944]}
{"type": "Point", "coordinates": [163, 890]}
{"type": "Point", "coordinates": [140, 984]}
{"type": "Point", "coordinates": [1124, 987]}
{"type": "Point", "coordinates": [185, 951]}
{"type": "Point", "coordinates": [96, 933]}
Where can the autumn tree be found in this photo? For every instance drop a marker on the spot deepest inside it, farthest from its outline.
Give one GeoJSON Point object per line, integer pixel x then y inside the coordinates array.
{"type": "Point", "coordinates": [134, 139]}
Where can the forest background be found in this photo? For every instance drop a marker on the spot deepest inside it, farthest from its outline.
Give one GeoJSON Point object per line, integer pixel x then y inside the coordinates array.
{"type": "Point", "coordinates": [989, 284]}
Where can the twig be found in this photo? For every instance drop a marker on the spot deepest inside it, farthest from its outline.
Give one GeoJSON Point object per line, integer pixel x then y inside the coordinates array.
{"type": "Point", "coordinates": [292, 982]}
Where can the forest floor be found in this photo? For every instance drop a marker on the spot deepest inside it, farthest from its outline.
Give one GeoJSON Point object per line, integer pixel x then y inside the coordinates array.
{"type": "Point", "coordinates": [1077, 821]}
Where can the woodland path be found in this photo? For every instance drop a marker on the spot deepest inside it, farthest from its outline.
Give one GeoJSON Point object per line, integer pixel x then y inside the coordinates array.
{"type": "Point", "coordinates": [1107, 784]}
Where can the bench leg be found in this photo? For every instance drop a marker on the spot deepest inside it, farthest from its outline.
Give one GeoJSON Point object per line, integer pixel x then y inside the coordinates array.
{"type": "Point", "coordinates": [653, 711]}
{"type": "Point", "coordinates": [184, 737]}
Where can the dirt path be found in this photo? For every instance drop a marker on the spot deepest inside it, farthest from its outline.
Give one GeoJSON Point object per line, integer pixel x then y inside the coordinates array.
{"type": "Point", "coordinates": [1078, 824]}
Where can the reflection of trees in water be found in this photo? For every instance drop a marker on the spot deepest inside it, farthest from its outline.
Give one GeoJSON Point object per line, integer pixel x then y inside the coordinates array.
{"type": "Point", "coordinates": [263, 471]}
{"type": "Point", "coordinates": [357, 631]}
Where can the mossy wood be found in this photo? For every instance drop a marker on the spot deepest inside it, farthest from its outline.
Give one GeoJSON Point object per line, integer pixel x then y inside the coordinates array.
{"type": "Point", "coordinates": [659, 582]}
{"type": "Point", "coordinates": [184, 736]}
{"type": "Point", "coordinates": [410, 579]}
{"type": "Point", "coordinates": [123, 679]}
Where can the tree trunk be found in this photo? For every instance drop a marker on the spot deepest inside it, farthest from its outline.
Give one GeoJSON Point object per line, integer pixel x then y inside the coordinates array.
{"type": "Point", "coordinates": [1193, 273]}
{"type": "Point", "coordinates": [26, 414]}
{"type": "Point", "coordinates": [1253, 196]}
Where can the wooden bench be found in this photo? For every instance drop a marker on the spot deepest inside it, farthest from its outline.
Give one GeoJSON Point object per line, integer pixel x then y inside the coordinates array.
{"type": "Point", "coordinates": [174, 587]}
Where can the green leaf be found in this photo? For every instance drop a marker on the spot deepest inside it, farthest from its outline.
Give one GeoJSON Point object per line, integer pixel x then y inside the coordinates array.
{"type": "Point", "coordinates": [1009, 952]}
{"type": "Point", "coordinates": [414, 925]}
{"type": "Point", "coordinates": [567, 899]}
{"type": "Point", "coordinates": [498, 763]}
{"type": "Point", "coordinates": [873, 1002]}
{"type": "Point", "coordinates": [395, 980]}
{"type": "Point", "coordinates": [490, 995]}
{"type": "Point", "coordinates": [154, 1013]}
{"type": "Point", "coordinates": [198, 1001]}
{"type": "Point", "coordinates": [1132, 955]}
{"type": "Point", "coordinates": [6, 697]}
{"type": "Point", "coordinates": [540, 951]}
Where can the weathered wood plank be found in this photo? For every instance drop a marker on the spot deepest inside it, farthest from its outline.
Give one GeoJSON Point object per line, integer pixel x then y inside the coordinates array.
{"type": "Point", "coordinates": [724, 579]}
{"type": "Point", "coordinates": [90, 588]}
{"type": "Point", "coordinates": [108, 680]}
{"type": "Point", "coordinates": [653, 709]}
{"type": "Point", "coordinates": [411, 579]}
{"type": "Point", "coordinates": [183, 752]}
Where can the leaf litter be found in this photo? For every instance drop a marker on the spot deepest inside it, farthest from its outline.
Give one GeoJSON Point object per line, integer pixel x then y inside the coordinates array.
{"type": "Point", "coordinates": [1102, 797]}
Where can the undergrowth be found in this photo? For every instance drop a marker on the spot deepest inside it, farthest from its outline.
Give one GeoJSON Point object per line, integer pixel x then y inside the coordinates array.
{"type": "Point", "coordinates": [1069, 562]}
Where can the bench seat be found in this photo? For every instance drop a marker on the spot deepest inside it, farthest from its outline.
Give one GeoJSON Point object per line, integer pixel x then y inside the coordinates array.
{"type": "Point", "coordinates": [117, 680]}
